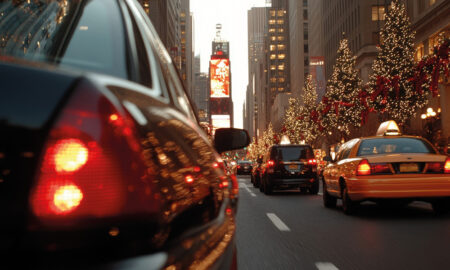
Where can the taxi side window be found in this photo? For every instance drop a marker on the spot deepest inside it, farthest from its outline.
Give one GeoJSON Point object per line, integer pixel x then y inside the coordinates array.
{"type": "Point", "coordinates": [341, 152]}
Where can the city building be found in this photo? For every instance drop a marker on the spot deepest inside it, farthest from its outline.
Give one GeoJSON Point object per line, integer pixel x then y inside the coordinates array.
{"type": "Point", "coordinates": [200, 92]}
{"type": "Point", "coordinates": [315, 46]}
{"type": "Point", "coordinates": [358, 21]}
{"type": "Point", "coordinates": [277, 59]}
{"type": "Point", "coordinates": [431, 21]}
{"type": "Point", "coordinates": [255, 118]}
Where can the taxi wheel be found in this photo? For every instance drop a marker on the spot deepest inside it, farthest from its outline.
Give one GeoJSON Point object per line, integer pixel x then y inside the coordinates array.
{"type": "Point", "coordinates": [441, 207]}
{"type": "Point", "coordinates": [328, 200]}
{"type": "Point", "coordinates": [348, 205]}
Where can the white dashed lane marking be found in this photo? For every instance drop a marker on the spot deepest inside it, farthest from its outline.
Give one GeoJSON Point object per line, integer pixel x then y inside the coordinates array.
{"type": "Point", "coordinates": [278, 222]}
{"type": "Point", "coordinates": [326, 266]}
{"type": "Point", "coordinates": [243, 185]}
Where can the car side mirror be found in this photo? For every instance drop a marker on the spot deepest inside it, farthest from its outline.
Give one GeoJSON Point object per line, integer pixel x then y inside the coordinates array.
{"type": "Point", "coordinates": [226, 139]}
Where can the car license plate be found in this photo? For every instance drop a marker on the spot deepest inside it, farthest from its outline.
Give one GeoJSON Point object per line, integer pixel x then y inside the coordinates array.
{"type": "Point", "coordinates": [409, 167]}
{"type": "Point", "coordinates": [293, 167]}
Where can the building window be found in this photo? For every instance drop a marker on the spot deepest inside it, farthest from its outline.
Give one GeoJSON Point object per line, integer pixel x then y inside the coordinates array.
{"type": "Point", "coordinates": [272, 13]}
{"type": "Point", "coordinates": [280, 13]}
{"type": "Point", "coordinates": [273, 67]}
{"type": "Point", "coordinates": [272, 48]}
{"type": "Point", "coordinates": [305, 14]}
{"type": "Point", "coordinates": [280, 30]}
{"type": "Point", "coordinates": [280, 89]}
{"type": "Point", "coordinates": [280, 38]}
{"type": "Point", "coordinates": [280, 21]}
{"type": "Point", "coordinates": [281, 56]}
{"type": "Point", "coordinates": [305, 3]}
{"type": "Point", "coordinates": [281, 67]}
{"type": "Point", "coordinates": [306, 62]}
{"type": "Point", "coordinates": [272, 56]}
{"type": "Point", "coordinates": [305, 48]}
{"type": "Point", "coordinates": [281, 80]}
{"type": "Point", "coordinates": [378, 13]}
{"type": "Point", "coordinates": [271, 30]}
{"type": "Point", "coordinates": [272, 21]}
{"type": "Point", "coordinates": [281, 47]}
{"type": "Point", "coordinates": [273, 80]}
{"type": "Point", "coordinates": [432, 2]}
{"type": "Point", "coordinates": [273, 38]}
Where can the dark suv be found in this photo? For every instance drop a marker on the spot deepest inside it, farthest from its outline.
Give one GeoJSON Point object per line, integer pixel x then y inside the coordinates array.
{"type": "Point", "coordinates": [289, 166]}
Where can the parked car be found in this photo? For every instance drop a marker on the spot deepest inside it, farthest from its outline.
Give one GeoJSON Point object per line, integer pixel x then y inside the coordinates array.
{"type": "Point", "coordinates": [244, 167]}
{"type": "Point", "coordinates": [102, 161]}
{"type": "Point", "coordinates": [387, 167]}
{"type": "Point", "coordinates": [287, 166]}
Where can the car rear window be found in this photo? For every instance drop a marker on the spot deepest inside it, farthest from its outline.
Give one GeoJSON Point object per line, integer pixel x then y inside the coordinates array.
{"type": "Point", "coordinates": [293, 153]}
{"type": "Point", "coordinates": [393, 145]}
{"type": "Point", "coordinates": [83, 35]}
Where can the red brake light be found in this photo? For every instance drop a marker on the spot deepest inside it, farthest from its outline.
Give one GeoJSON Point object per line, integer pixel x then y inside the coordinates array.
{"type": "Point", "coordinates": [270, 163]}
{"type": "Point", "coordinates": [363, 168]}
{"type": "Point", "coordinates": [380, 168]}
{"type": "Point", "coordinates": [67, 198]}
{"type": "Point", "coordinates": [435, 167]}
{"type": "Point", "coordinates": [447, 166]}
{"type": "Point", "coordinates": [312, 161]}
{"type": "Point", "coordinates": [85, 169]}
{"type": "Point", "coordinates": [70, 155]}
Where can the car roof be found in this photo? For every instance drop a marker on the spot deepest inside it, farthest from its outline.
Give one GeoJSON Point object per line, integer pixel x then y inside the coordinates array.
{"type": "Point", "coordinates": [392, 137]}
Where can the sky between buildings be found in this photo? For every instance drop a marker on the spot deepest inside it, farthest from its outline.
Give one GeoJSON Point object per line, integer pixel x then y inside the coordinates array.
{"type": "Point", "coordinates": [232, 14]}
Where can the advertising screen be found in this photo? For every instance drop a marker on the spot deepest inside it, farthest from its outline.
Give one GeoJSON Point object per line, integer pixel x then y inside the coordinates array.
{"type": "Point", "coordinates": [220, 78]}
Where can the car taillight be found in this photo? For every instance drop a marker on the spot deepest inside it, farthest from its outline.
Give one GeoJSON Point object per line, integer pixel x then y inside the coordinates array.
{"type": "Point", "coordinates": [447, 166]}
{"type": "Point", "coordinates": [380, 168]}
{"type": "Point", "coordinates": [234, 185]}
{"type": "Point", "coordinates": [363, 168]}
{"type": "Point", "coordinates": [435, 167]}
{"type": "Point", "coordinates": [270, 163]}
{"type": "Point", "coordinates": [83, 168]}
{"type": "Point", "coordinates": [312, 162]}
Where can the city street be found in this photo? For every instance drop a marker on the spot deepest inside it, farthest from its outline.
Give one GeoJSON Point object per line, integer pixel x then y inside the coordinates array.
{"type": "Point", "coordinates": [290, 230]}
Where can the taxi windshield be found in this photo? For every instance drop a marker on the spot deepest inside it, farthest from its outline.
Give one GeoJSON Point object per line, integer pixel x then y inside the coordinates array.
{"type": "Point", "coordinates": [393, 145]}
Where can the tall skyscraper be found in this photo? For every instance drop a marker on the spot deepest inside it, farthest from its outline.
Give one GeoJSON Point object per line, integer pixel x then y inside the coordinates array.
{"type": "Point", "coordinates": [257, 90]}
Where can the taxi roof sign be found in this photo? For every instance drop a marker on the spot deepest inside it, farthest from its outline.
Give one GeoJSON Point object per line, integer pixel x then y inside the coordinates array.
{"type": "Point", "coordinates": [285, 140]}
{"type": "Point", "coordinates": [388, 128]}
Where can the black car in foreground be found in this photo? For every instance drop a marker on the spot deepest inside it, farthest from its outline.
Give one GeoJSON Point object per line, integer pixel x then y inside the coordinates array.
{"type": "Point", "coordinates": [289, 166]}
{"type": "Point", "coordinates": [102, 161]}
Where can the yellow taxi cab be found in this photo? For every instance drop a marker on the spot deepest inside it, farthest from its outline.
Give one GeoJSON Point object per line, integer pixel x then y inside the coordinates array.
{"type": "Point", "coordinates": [385, 167]}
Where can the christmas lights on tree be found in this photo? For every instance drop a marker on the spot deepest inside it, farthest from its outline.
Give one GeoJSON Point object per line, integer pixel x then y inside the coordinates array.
{"type": "Point", "coordinates": [391, 89]}
{"type": "Point", "coordinates": [292, 121]}
{"type": "Point", "coordinates": [340, 107]}
{"type": "Point", "coordinates": [309, 125]}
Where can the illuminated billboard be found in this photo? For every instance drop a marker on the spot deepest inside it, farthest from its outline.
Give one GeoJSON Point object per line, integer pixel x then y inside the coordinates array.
{"type": "Point", "coordinates": [220, 78]}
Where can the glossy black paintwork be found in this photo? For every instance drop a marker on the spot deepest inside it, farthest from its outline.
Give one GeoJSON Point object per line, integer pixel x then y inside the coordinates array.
{"type": "Point", "coordinates": [194, 223]}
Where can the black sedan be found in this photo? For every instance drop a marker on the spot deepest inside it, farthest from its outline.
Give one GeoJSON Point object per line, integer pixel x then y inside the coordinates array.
{"type": "Point", "coordinates": [102, 161]}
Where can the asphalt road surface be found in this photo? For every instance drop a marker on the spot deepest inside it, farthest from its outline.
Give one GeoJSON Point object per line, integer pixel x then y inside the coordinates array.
{"type": "Point", "coordinates": [290, 230]}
